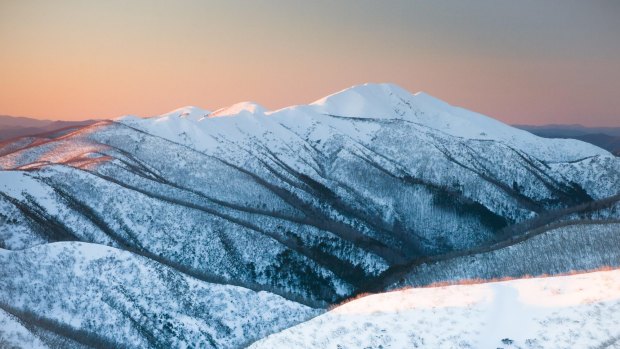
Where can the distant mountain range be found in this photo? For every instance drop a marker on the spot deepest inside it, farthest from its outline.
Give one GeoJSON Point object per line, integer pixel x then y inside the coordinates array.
{"type": "Point", "coordinates": [12, 126]}
{"type": "Point", "coordinates": [216, 229]}
{"type": "Point", "coordinates": [605, 137]}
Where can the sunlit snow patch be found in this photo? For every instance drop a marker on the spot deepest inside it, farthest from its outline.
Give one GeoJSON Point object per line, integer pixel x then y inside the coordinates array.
{"type": "Point", "coordinates": [577, 311]}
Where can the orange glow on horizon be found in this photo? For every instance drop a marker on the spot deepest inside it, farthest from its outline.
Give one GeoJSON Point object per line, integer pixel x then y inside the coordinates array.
{"type": "Point", "coordinates": [74, 60]}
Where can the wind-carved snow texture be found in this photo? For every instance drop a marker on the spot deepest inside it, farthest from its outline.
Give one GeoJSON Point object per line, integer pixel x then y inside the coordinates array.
{"type": "Point", "coordinates": [577, 311]}
{"type": "Point", "coordinates": [360, 191]}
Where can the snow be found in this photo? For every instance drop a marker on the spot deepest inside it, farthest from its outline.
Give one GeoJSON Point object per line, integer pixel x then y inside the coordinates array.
{"type": "Point", "coordinates": [189, 112]}
{"type": "Point", "coordinates": [251, 108]}
{"type": "Point", "coordinates": [84, 285]}
{"type": "Point", "coordinates": [180, 190]}
{"type": "Point", "coordinates": [364, 101]}
{"type": "Point", "coordinates": [388, 101]}
{"type": "Point", "coordinates": [22, 185]}
{"type": "Point", "coordinates": [13, 334]}
{"type": "Point", "coordinates": [575, 311]}
{"type": "Point", "coordinates": [376, 103]}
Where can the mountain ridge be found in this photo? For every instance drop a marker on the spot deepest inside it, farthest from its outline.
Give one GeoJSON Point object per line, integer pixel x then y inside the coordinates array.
{"type": "Point", "coordinates": [388, 101]}
{"type": "Point", "coordinates": [303, 203]}
{"type": "Point", "coordinates": [607, 138]}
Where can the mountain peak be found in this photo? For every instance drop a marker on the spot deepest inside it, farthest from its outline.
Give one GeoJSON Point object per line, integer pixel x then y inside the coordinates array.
{"type": "Point", "coordinates": [369, 100]}
{"type": "Point", "coordinates": [251, 108]}
{"type": "Point", "coordinates": [377, 100]}
{"type": "Point", "coordinates": [187, 112]}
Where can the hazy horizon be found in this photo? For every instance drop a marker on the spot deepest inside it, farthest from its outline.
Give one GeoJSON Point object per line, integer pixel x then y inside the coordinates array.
{"type": "Point", "coordinates": [550, 124]}
{"type": "Point", "coordinates": [552, 62]}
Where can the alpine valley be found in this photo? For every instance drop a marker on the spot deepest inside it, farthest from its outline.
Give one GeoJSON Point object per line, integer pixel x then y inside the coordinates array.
{"type": "Point", "coordinates": [217, 229]}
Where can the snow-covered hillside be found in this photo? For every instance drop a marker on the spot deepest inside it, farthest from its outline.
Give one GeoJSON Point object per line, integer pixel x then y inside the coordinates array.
{"type": "Point", "coordinates": [576, 311]}
{"type": "Point", "coordinates": [380, 102]}
{"type": "Point", "coordinates": [555, 251]}
{"type": "Point", "coordinates": [327, 196]}
{"type": "Point", "coordinates": [73, 294]}
{"type": "Point", "coordinates": [363, 190]}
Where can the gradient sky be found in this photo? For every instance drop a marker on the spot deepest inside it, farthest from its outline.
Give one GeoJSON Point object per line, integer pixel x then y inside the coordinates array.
{"type": "Point", "coordinates": [526, 61]}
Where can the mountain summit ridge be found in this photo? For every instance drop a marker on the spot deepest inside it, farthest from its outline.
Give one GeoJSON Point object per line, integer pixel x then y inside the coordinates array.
{"type": "Point", "coordinates": [381, 102]}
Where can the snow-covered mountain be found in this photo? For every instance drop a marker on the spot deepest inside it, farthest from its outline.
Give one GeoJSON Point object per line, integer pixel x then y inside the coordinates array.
{"type": "Point", "coordinates": [373, 103]}
{"type": "Point", "coordinates": [363, 190]}
{"type": "Point", "coordinates": [576, 311]}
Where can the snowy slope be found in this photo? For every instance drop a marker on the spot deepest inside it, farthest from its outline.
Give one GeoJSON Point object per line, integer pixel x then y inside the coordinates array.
{"type": "Point", "coordinates": [308, 202]}
{"type": "Point", "coordinates": [576, 311]}
{"type": "Point", "coordinates": [306, 206]}
{"type": "Point", "coordinates": [388, 102]}
{"type": "Point", "coordinates": [13, 333]}
{"type": "Point", "coordinates": [560, 250]}
{"type": "Point", "coordinates": [95, 294]}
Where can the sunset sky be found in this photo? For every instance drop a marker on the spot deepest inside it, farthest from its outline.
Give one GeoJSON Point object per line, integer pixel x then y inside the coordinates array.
{"type": "Point", "coordinates": [526, 61]}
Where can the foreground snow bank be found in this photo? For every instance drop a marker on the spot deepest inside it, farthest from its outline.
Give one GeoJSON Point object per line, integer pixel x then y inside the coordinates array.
{"type": "Point", "coordinates": [577, 311]}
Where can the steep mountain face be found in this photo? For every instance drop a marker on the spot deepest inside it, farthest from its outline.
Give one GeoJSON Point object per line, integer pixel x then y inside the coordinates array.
{"type": "Point", "coordinates": [576, 311]}
{"type": "Point", "coordinates": [314, 203]}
